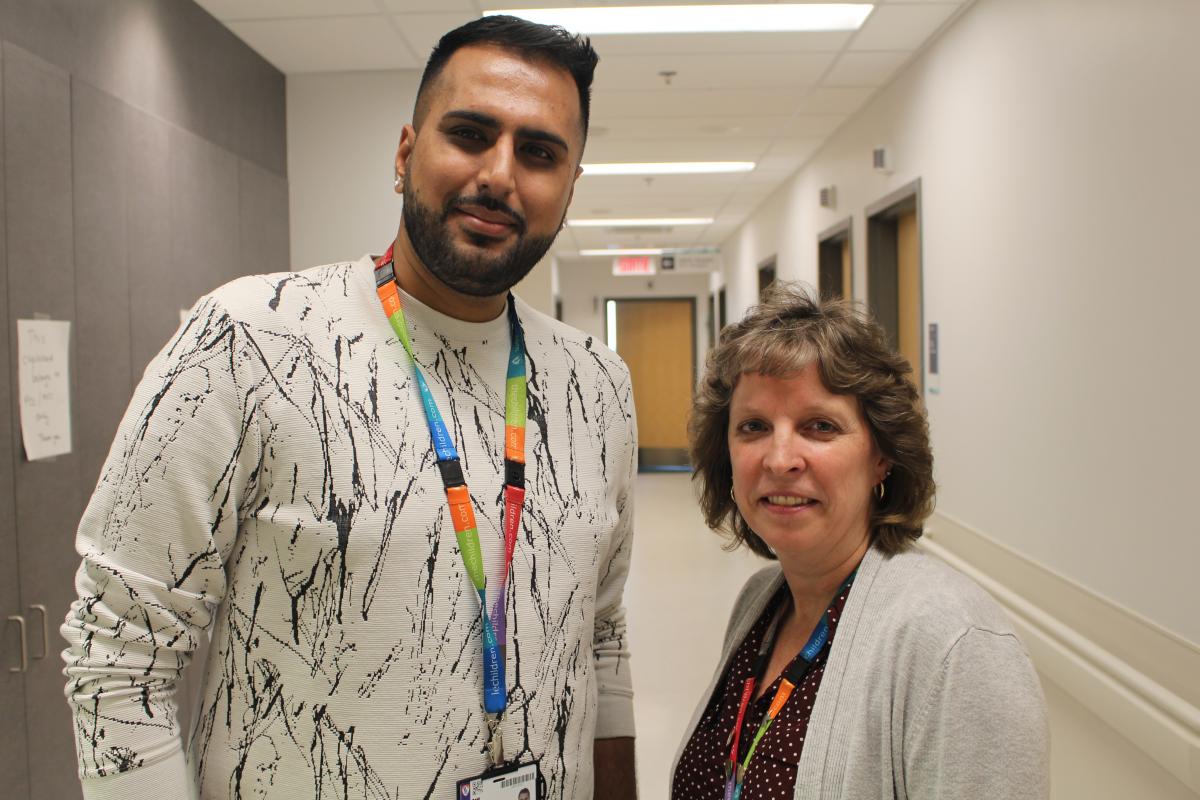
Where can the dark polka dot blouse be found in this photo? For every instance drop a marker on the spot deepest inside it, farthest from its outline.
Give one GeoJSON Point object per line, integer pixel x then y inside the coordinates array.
{"type": "Point", "coordinates": [772, 774]}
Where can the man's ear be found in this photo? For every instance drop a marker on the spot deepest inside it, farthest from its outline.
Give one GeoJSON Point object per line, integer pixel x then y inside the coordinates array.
{"type": "Point", "coordinates": [571, 193]}
{"type": "Point", "coordinates": [408, 137]}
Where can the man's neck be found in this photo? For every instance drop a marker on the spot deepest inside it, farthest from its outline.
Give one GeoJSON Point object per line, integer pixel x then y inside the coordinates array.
{"type": "Point", "coordinates": [418, 282]}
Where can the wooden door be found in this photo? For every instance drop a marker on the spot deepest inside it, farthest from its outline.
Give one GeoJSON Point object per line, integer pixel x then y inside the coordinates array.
{"type": "Point", "coordinates": [833, 263]}
{"type": "Point", "coordinates": [656, 338]}
{"type": "Point", "coordinates": [13, 639]}
{"type": "Point", "coordinates": [894, 272]}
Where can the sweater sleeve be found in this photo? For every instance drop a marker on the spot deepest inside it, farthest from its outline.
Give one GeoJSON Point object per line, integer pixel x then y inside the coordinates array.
{"type": "Point", "coordinates": [153, 541]}
{"type": "Point", "coordinates": [982, 731]}
{"type": "Point", "coordinates": [610, 646]}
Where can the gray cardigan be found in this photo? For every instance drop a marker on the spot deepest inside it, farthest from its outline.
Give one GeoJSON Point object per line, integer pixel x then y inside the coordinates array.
{"type": "Point", "coordinates": [928, 693]}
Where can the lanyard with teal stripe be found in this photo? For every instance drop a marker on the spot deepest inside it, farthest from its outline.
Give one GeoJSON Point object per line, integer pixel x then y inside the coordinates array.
{"type": "Point", "coordinates": [495, 690]}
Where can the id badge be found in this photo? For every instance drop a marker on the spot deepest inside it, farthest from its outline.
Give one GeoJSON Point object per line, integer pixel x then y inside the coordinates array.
{"type": "Point", "coordinates": [518, 782]}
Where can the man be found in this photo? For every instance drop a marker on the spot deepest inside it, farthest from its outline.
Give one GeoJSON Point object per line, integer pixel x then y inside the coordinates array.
{"type": "Point", "coordinates": [281, 478]}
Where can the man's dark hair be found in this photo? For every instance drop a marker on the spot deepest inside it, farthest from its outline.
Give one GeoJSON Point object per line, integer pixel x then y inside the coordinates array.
{"type": "Point", "coordinates": [548, 43]}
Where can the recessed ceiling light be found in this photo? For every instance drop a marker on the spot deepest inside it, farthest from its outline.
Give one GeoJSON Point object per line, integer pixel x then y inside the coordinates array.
{"type": "Point", "coordinates": [639, 223]}
{"type": "Point", "coordinates": [668, 168]}
{"type": "Point", "coordinates": [700, 19]}
{"type": "Point", "coordinates": [627, 251]}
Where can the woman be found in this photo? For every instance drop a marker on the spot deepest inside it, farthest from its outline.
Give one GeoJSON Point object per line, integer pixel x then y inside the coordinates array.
{"type": "Point", "coordinates": [859, 667]}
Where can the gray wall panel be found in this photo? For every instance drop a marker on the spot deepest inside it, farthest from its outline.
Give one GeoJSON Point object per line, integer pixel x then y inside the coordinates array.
{"type": "Point", "coordinates": [99, 132]}
{"type": "Point", "coordinates": [204, 217]}
{"type": "Point", "coordinates": [37, 144]}
{"type": "Point", "coordinates": [167, 57]}
{"type": "Point", "coordinates": [263, 212]}
{"type": "Point", "coordinates": [13, 763]}
{"type": "Point", "coordinates": [149, 239]}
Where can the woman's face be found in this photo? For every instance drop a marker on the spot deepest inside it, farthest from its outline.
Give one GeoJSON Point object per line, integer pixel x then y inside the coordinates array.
{"type": "Point", "coordinates": [804, 466]}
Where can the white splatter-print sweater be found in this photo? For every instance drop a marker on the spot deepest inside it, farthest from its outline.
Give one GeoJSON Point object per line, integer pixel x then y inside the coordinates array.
{"type": "Point", "coordinates": [273, 480]}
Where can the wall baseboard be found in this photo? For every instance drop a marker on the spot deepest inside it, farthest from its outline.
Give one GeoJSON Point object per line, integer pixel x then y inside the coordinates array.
{"type": "Point", "coordinates": [1141, 679]}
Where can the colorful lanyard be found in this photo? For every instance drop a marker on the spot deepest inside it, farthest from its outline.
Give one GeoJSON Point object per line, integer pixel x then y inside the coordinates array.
{"type": "Point", "coordinates": [495, 690]}
{"type": "Point", "coordinates": [793, 676]}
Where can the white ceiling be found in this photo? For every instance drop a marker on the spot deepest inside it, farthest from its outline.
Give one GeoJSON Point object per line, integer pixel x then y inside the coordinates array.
{"type": "Point", "coordinates": [771, 98]}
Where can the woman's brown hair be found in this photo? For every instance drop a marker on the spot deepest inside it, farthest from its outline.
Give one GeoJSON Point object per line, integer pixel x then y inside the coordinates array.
{"type": "Point", "coordinates": [782, 335]}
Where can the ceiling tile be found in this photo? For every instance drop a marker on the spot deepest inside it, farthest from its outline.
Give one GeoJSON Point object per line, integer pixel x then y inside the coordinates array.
{"type": "Point", "coordinates": [781, 163]}
{"type": "Point", "coordinates": [866, 68]}
{"type": "Point", "coordinates": [720, 43]}
{"type": "Point", "coordinates": [727, 102]}
{"type": "Point", "coordinates": [418, 6]}
{"type": "Point", "coordinates": [696, 71]}
{"type": "Point", "coordinates": [812, 124]}
{"type": "Point", "coordinates": [902, 27]}
{"type": "Point", "coordinates": [331, 44]}
{"type": "Point", "coordinates": [733, 148]}
{"type": "Point", "coordinates": [422, 31]}
{"type": "Point", "coordinates": [713, 128]}
{"type": "Point", "coordinates": [227, 10]}
{"type": "Point", "coordinates": [831, 100]}
{"type": "Point", "coordinates": [801, 149]}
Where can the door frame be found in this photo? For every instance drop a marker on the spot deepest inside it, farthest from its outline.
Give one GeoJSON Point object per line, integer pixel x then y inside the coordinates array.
{"type": "Point", "coordinates": [836, 232]}
{"type": "Point", "coordinates": [887, 208]}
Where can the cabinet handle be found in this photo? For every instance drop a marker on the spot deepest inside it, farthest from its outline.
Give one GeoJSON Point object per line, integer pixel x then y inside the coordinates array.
{"type": "Point", "coordinates": [45, 631]}
{"type": "Point", "coordinates": [17, 618]}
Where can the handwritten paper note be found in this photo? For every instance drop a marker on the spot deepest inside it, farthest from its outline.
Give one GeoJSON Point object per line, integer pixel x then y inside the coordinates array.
{"type": "Point", "coordinates": [43, 380]}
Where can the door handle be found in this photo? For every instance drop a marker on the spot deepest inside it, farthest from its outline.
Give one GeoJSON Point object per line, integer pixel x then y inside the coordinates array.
{"type": "Point", "coordinates": [45, 631]}
{"type": "Point", "coordinates": [17, 618]}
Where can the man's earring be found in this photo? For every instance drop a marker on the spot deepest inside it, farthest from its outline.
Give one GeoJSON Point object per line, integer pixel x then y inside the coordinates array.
{"type": "Point", "coordinates": [399, 183]}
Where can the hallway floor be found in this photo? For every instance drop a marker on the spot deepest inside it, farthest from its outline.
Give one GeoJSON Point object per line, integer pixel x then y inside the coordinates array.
{"type": "Point", "coordinates": [680, 590]}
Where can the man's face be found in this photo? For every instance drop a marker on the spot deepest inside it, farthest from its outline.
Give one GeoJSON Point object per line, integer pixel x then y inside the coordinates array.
{"type": "Point", "coordinates": [489, 176]}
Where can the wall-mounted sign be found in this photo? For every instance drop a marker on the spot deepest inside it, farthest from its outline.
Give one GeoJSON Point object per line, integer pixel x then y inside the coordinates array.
{"type": "Point", "coordinates": [633, 265]}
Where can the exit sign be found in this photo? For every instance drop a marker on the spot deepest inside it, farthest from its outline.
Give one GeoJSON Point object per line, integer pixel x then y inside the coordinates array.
{"type": "Point", "coordinates": [633, 265]}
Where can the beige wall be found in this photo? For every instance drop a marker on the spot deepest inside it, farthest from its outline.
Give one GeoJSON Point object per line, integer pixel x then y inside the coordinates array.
{"type": "Point", "coordinates": [1054, 141]}
{"type": "Point", "coordinates": [1055, 145]}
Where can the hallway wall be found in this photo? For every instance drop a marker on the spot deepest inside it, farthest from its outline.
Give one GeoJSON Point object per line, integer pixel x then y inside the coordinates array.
{"type": "Point", "coordinates": [142, 166]}
{"type": "Point", "coordinates": [1054, 141]}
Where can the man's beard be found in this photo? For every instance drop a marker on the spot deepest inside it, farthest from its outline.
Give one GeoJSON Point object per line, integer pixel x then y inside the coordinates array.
{"type": "Point", "coordinates": [479, 275]}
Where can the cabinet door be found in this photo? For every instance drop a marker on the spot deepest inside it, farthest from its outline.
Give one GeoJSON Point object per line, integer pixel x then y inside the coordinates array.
{"type": "Point", "coordinates": [13, 758]}
{"type": "Point", "coordinates": [41, 280]}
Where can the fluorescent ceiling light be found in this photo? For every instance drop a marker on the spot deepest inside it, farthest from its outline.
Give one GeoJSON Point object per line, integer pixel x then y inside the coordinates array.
{"type": "Point", "coordinates": [638, 223]}
{"type": "Point", "coordinates": [635, 251]}
{"type": "Point", "coordinates": [700, 19]}
{"type": "Point", "coordinates": [668, 168]}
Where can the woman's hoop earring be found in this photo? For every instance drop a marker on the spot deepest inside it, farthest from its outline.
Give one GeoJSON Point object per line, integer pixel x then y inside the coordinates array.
{"type": "Point", "coordinates": [880, 491]}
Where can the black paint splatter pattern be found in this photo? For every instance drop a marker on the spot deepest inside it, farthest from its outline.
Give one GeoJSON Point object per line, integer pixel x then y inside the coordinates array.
{"type": "Point", "coordinates": [272, 482]}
